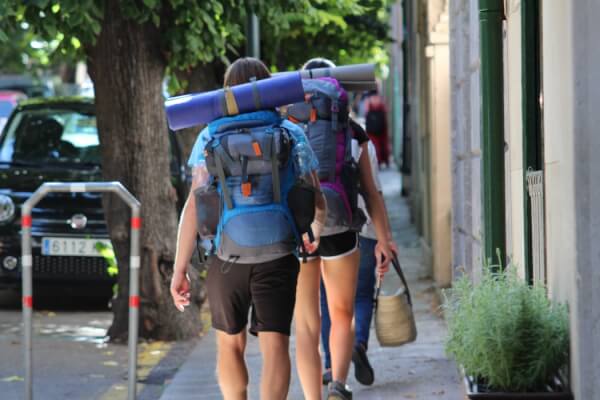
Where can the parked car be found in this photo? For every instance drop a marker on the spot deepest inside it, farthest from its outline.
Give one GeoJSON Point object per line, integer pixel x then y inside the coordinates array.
{"type": "Point", "coordinates": [8, 101]}
{"type": "Point", "coordinates": [55, 139]}
{"type": "Point", "coordinates": [32, 87]}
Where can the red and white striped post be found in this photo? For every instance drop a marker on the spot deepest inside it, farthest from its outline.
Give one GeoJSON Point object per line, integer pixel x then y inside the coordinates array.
{"type": "Point", "coordinates": [134, 297]}
{"type": "Point", "coordinates": [134, 269]}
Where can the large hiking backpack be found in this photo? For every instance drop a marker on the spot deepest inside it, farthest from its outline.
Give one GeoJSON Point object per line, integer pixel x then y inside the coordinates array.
{"type": "Point", "coordinates": [252, 174]}
{"type": "Point", "coordinates": [324, 117]}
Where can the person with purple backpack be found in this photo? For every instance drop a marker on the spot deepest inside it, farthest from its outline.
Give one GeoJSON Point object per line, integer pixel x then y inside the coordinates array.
{"type": "Point", "coordinates": [324, 116]}
{"type": "Point", "coordinates": [365, 290]}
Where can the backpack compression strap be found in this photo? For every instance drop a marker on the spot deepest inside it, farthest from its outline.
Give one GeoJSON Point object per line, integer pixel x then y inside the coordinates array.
{"type": "Point", "coordinates": [275, 171]}
{"type": "Point", "coordinates": [221, 175]}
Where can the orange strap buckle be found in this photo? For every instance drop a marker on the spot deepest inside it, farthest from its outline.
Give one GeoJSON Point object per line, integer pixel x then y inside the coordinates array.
{"type": "Point", "coordinates": [294, 120]}
{"type": "Point", "coordinates": [246, 189]}
{"type": "Point", "coordinates": [257, 150]}
{"type": "Point", "coordinates": [313, 115]}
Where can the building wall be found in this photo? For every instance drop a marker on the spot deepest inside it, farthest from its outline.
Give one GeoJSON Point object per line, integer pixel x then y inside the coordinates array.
{"type": "Point", "coordinates": [394, 82]}
{"type": "Point", "coordinates": [558, 133]}
{"type": "Point", "coordinates": [428, 125]}
{"type": "Point", "coordinates": [570, 121]}
{"type": "Point", "coordinates": [585, 280]}
{"type": "Point", "coordinates": [514, 137]}
{"type": "Point", "coordinates": [465, 137]}
{"type": "Point", "coordinates": [439, 123]}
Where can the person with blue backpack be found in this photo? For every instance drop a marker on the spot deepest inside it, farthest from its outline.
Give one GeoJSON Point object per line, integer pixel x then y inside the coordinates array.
{"type": "Point", "coordinates": [324, 116]}
{"type": "Point", "coordinates": [255, 193]}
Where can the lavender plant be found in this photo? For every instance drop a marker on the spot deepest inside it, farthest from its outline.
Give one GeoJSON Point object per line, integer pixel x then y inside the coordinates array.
{"type": "Point", "coordinates": [506, 333]}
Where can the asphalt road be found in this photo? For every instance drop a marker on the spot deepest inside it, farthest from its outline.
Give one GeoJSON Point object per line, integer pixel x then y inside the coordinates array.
{"type": "Point", "coordinates": [71, 358]}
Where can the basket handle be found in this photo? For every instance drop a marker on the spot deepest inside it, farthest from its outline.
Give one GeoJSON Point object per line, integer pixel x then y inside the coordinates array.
{"type": "Point", "coordinates": [398, 269]}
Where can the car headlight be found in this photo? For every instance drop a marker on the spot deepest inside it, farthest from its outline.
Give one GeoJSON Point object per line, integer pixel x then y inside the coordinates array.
{"type": "Point", "coordinates": [7, 208]}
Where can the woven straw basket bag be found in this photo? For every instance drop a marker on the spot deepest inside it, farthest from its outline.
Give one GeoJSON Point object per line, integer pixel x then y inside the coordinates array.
{"type": "Point", "coordinates": [394, 318]}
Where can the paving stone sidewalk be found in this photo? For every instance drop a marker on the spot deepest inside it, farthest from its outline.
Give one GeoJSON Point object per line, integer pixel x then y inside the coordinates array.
{"type": "Point", "coordinates": [419, 370]}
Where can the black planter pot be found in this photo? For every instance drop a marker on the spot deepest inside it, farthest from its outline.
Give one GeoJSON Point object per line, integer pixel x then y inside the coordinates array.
{"type": "Point", "coordinates": [480, 392]}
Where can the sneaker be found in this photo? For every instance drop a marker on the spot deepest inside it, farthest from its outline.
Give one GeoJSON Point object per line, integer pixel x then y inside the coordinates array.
{"type": "Point", "coordinates": [362, 368]}
{"type": "Point", "coordinates": [338, 391]}
{"type": "Point", "coordinates": [326, 377]}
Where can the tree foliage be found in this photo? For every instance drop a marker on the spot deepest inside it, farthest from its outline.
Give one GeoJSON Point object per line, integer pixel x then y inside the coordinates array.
{"type": "Point", "coordinates": [200, 31]}
{"type": "Point", "coordinates": [346, 32]}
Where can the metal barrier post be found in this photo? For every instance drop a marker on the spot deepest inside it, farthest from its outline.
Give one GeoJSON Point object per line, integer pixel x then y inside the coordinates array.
{"type": "Point", "coordinates": [27, 264]}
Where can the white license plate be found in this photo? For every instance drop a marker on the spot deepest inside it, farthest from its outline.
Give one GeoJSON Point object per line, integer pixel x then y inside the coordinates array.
{"type": "Point", "coordinates": [61, 246]}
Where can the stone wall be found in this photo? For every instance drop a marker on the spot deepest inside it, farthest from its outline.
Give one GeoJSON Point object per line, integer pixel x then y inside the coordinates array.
{"type": "Point", "coordinates": [465, 137]}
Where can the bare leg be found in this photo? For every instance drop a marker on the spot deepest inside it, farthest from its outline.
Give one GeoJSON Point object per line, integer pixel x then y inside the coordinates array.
{"type": "Point", "coordinates": [276, 371]}
{"type": "Point", "coordinates": [231, 367]}
{"type": "Point", "coordinates": [340, 276]}
{"type": "Point", "coordinates": [308, 326]}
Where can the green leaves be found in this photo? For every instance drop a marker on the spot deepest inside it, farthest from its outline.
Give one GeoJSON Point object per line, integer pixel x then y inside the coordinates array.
{"type": "Point", "coordinates": [107, 252]}
{"type": "Point", "coordinates": [505, 332]}
{"type": "Point", "coordinates": [345, 31]}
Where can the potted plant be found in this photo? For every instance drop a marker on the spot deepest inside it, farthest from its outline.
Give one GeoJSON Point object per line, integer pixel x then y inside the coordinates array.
{"type": "Point", "coordinates": [510, 339]}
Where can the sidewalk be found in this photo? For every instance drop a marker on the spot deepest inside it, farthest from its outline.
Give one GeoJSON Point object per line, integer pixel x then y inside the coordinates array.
{"type": "Point", "coordinates": [416, 371]}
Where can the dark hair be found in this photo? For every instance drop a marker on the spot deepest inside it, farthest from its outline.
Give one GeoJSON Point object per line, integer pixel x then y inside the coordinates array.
{"type": "Point", "coordinates": [318, 62]}
{"type": "Point", "coordinates": [243, 69]}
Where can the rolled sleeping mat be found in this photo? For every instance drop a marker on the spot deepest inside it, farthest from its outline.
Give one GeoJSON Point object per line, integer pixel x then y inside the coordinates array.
{"type": "Point", "coordinates": [201, 108]}
{"type": "Point", "coordinates": [353, 78]}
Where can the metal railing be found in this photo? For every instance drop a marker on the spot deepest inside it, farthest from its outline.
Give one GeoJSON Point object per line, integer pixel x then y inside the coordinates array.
{"type": "Point", "coordinates": [134, 266]}
{"type": "Point", "coordinates": [535, 187]}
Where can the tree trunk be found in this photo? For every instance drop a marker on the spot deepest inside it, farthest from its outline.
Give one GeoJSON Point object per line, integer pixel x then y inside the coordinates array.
{"type": "Point", "coordinates": [201, 78]}
{"type": "Point", "coordinates": [127, 69]}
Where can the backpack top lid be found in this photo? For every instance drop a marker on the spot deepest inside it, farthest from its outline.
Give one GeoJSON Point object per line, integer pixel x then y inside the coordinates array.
{"type": "Point", "coordinates": [326, 85]}
{"type": "Point", "coordinates": [267, 116]}
{"type": "Point", "coordinates": [323, 98]}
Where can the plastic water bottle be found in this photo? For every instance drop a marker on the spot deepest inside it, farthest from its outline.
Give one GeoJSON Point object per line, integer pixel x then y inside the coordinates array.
{"type": "Point", "coordinates": [303, 156]}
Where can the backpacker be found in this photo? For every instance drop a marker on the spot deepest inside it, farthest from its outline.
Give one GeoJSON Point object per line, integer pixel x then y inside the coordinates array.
{"type": "Point", "coordinates": [251, 175]}
{"type": "Point", "coordinates": [324, 117]}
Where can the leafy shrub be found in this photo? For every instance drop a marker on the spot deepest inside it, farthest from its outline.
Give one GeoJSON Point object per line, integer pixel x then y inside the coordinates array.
{"type": "Point", "coordinates": [505, 332]}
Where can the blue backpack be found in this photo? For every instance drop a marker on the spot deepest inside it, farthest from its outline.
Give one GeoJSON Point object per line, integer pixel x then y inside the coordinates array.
{"type": "Point", "coordinates": [252, 175]}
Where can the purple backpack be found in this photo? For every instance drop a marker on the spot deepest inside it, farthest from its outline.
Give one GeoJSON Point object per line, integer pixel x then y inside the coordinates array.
{"type": "Point", "coordinates": [324, 117]}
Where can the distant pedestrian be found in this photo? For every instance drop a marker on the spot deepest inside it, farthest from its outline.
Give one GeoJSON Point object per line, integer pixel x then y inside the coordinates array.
{"type": "Point", "coordinates": [377, 127]}
{"type": "Point", "coordinates": [255, 267]}
{"type": "Point", "coordinates": [363, 302]}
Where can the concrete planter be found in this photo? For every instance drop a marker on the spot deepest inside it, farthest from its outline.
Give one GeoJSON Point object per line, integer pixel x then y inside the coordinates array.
{"type": "Point", "coordinates": [476, 391]}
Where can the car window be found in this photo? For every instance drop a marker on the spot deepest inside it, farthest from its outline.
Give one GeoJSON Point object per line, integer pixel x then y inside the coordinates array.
{"type": "Point", "coordinates": [51, 136]}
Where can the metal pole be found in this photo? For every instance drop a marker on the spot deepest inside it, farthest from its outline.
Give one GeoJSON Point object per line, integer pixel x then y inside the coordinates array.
{"type": "Point", "coordinates": [134, 298]}
{"type": "Point", "coordinates": [27, 263]}
{"type": "Point", "coordinates": [253, 35]}
{"type": "Point", "coordinates": [491, 14]}
{"type": "Point", "coordinates": [27, 293]}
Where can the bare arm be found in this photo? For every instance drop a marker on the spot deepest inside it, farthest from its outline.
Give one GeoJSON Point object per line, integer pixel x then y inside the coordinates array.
{"type": "Point", "coordinates": [373, 199]}
{"type": "Point", "coordinates": [377, 211]}
{"type": "Point", "coordinates": [320, 215]}
{"type": "Point", "coordinates": [186, 239]}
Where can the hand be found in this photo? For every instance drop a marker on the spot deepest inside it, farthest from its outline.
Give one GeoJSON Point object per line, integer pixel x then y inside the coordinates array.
{"type": "Point", "coordinates": [180, 289]}
{"type": "Point", "coordinates": [310, 247]}
{"type": "Point", "coordinates": [383, 255]}
{"type": "Point", "coordinates": [393, 247]}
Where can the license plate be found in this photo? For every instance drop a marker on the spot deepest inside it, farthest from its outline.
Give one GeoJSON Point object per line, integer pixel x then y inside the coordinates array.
{"type": "Point", "coordinates": [59, 246]}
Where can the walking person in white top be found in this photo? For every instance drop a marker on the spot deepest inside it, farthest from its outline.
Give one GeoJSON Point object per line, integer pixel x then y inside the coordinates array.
{"type": "Point", "coordinates": [363, 303]}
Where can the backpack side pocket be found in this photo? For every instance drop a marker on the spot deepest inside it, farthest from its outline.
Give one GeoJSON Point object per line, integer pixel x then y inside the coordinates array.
{"type": "Point", "coordinates": [208, 211]}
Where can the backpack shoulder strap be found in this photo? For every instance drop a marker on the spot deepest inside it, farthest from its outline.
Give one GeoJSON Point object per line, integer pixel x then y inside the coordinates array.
{"type": "Point", "coordinates": [221, 176]}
